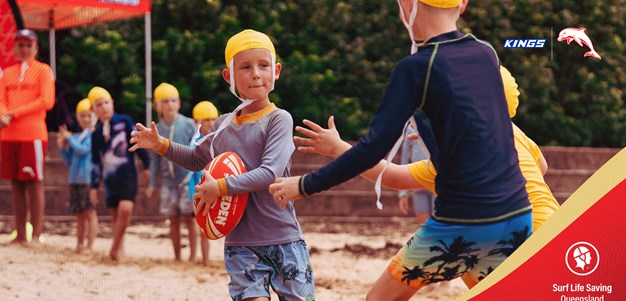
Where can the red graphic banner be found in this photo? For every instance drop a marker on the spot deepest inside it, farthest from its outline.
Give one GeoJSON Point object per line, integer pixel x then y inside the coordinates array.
{"type": "Point", "coordinates": [585, 262]}
{"type": "Point", "coordinates": [8, 28]}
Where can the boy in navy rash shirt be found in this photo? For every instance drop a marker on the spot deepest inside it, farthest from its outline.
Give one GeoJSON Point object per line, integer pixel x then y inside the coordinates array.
{"type": "Point", "coordinates": [113, 163]}
{"type": "Point", "coordinates": [452, 87]}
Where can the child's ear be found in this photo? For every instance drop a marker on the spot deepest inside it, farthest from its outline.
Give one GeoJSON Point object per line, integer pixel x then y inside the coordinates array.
{"type": "Point", "coordinates": [463, 6]}
{"type": "Point", "coordinates": [226, 75]}
{"type": "Point", "coordinates": [278, 68]}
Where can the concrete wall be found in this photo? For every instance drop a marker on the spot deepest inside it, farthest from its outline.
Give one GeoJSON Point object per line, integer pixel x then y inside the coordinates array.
{"type": "Point", "coordinates": [569, 168]}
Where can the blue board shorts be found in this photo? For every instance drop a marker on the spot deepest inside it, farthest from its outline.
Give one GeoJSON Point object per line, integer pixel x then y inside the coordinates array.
{"type": "Point", "coordinates": [286, 268]}
{"type": "Point", "coordinates": [440, 251]}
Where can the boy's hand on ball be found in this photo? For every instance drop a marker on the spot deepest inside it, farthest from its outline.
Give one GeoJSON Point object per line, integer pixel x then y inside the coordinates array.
{"type": "Point", "coordinates": [206, 193]}
{"type": "Point", "coordinates": [145, 138]}
{"type": "Point", "coordinates": [319, 140]}
{"type": "Point", "coordinates": [285, 190]}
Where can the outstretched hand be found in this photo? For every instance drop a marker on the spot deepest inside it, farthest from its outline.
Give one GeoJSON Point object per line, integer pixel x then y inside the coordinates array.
{"type": "Point", "coordinates": [285, 190]}
{"type": "Point", "coordinates": [318, 140]}
{"type": "Point", "coordinates": [145, 138]}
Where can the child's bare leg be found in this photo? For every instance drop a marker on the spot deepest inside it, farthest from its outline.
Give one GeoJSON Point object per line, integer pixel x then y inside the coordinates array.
{"type": "Point", "coordinates": [80, 231]}
{"type": "Point", "coordinates": [388, 289]}
{"type": "Point", "coordinates": [204, 245]}
{"type": "Point", "coordinates": [193, 239]}
{"type": "Point", "coordinates": [175, 235]}
{"type": "Point", "coordinates": [124, 211]}
{"type": "Point", "coordinates": [19, 210]}
{"type": "Point", "coordinates": [92, 229]}
{"type": "Point", "coordinates": [35, 193]}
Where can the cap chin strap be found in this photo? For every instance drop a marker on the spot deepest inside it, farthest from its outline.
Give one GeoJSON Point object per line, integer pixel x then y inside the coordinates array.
{"type": "Point", "coordinates": [244, 102]}
{"type": "Point", "coordinates": [396, 147]}
{"type": "Point", "coordinates": [409, 24]}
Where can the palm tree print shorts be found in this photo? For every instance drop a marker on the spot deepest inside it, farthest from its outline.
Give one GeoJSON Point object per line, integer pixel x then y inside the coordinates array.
{"type": "Point", "coordinates": [286, 268]}
{"type": "Point", "coordinates": [440, 252]}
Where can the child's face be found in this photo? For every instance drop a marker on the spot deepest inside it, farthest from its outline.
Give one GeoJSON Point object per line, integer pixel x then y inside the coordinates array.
{"type": "Point", "coordinates": [84, 119]}
{"type": "Point", "coordinates": [205, 126]}
{"type": "Point", "coordinates": [253, 73]}
{"type": "Point", "coordinates": [169, 107]}
{"type": "Point", "coordinates": [25, 49]}
{"type": "Point", "coordinates": [103, 108]}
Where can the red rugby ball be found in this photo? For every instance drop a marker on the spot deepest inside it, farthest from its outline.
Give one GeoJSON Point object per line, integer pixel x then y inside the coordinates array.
{"type": "Point", "coordinates": [225, 213]}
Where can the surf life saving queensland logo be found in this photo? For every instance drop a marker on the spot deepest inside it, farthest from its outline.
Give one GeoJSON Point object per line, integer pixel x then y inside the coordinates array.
{"type": "Point", "coordinates": [582, 259]}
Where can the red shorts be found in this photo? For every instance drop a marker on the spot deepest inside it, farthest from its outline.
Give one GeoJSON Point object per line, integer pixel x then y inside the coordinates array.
{"type": "Point", "coordinates": [23, 160]}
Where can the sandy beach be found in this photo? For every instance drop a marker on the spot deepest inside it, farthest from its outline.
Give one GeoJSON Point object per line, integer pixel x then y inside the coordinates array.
{"type": "Point", "coordinates": [347, 256]}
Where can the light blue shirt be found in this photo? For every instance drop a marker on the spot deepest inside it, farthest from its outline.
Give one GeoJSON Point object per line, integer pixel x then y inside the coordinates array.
{"type": "Point", "coordinates": [78, 157]}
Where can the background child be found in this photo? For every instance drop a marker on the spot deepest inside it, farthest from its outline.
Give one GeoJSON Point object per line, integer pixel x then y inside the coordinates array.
{"type": "Point", "coordinates": [76, 151]}
{"type": "Point", "coordinates": [113, 163]}
{"type": "Point", "coordinates": [204, 114]}
{"type": "Point", "coordinates": [26, 94]}
{"type": "Point", "coordinates": [175, 200]}
{"type": "Point", "coordinates": [267, 247]}
{"type": "Point", "coordinates": [421, 200]}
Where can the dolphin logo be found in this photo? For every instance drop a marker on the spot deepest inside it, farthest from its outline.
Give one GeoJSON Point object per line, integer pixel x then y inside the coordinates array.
{"type": "Point", "coordinates": [579, 36]}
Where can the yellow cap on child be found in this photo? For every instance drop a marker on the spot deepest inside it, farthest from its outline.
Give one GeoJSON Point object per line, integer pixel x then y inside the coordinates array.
{"type": "Point", "coordinates": [510, 91]}
{"type": "Point", "coordinates": [204, 110]}
{"type": "Point", "coordinates": [83, 105]}
{"type": "Point", "coordinates": [165, 90]}
{"type": "Point", "coordinates": [97, 93]}
{"type": "Point", "coordinates": [245, 40]}
{"type": "Point", "coordinates": [442, 3]}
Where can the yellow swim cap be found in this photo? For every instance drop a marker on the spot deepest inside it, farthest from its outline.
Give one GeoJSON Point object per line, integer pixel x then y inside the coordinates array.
{"type": "Point", "coordinates": [83, 105]}
{"type": "Point", "coordinates": [165, 90]}
{"type": "Point", "coordinates": [96, 93]}
{"type": "Point", "coordinates": [204, 110]}
{"type": "Point", "coordinates": [510, 90]}
{"type": "Point", "coordinates": [247, 39]}
{"type": "Point", "coordinates": [442, 3]}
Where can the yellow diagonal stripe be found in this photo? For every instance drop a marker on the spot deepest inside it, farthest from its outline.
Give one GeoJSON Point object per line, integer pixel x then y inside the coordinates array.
{"type": "Point", "coordinates": [599, 184]}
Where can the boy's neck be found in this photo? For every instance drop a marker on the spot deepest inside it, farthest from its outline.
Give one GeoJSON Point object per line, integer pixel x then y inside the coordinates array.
{"type": "Point", "coordinates": [170, 119]}
{"type": "Point", "coordinates": [255, 106]}
{"type": "Point", "coordinates": [434, 22]}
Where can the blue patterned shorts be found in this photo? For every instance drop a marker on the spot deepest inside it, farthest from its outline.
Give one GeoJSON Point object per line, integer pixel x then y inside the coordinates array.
{"type": "Point", "coordinates": [285, 268]}
{"type": "Point", "coordinates": [441, 252]}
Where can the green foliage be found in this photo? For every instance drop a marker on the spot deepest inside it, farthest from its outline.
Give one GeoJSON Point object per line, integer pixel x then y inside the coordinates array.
{"type": "Point", "coordinates": [566, 99]}
{"type": "Point", "coordinates": [337, 56]}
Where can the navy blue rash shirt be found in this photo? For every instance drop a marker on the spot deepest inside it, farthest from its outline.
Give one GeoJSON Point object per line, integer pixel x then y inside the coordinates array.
{"type": "Point", "coordinates": [453, 86]}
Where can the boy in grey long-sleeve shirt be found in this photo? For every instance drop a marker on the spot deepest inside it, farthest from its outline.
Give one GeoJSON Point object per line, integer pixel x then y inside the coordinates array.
{"type": "Point", "coordinates": [267, 248]}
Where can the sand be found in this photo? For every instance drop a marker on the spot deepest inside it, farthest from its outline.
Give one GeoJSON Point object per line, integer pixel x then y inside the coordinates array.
{"type": "Point", "coordinates": [347, 259]}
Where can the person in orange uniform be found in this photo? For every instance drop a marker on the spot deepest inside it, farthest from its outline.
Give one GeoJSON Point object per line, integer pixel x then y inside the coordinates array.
{"type": "Point", "coordinates": [26, 93]}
